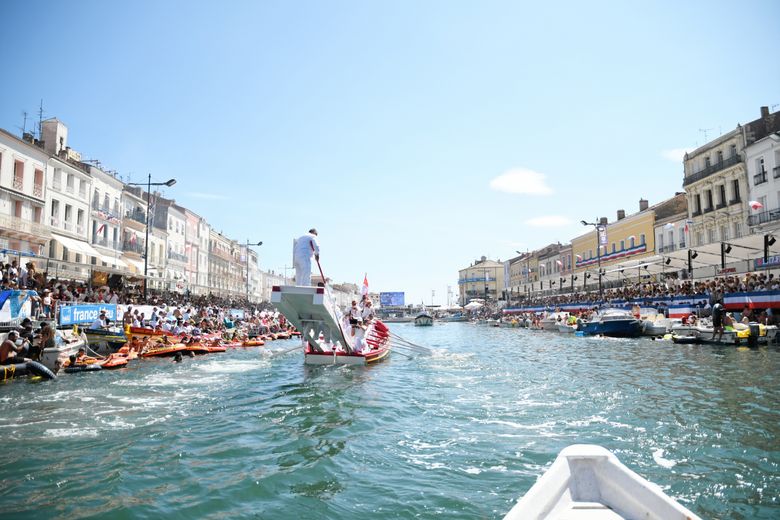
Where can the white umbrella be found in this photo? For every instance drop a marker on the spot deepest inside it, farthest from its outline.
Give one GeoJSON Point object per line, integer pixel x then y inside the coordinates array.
{"type": "Point", "coordinates": [473, 305]}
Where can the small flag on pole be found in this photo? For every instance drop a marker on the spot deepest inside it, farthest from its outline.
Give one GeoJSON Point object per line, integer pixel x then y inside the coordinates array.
{"type": "Point", "coordinates": [364, 289]}
{"type": "Point", "coordinates": [101, 228]}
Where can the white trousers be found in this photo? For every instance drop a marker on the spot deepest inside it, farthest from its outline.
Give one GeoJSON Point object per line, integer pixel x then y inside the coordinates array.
{"type": "Point", "coordinates": [303, 271]}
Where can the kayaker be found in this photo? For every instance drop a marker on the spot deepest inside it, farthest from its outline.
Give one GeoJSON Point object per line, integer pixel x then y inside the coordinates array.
{"type": "Point", "coordinates": [303, 249]}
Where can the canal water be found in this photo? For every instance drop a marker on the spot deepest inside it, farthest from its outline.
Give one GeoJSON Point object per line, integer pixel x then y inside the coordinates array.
{"type": "Point", "coordinates": [462, 433]}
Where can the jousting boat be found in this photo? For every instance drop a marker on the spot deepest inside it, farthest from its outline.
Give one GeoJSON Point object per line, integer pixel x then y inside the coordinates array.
{"type": "Point", "coordinates": [587, 481]}
{"type": "Point", "coordinates": [326, 340]}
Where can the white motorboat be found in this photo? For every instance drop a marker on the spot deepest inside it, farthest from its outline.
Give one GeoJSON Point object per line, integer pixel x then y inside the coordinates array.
{"type": "Point", "coordinates": [654, 323]}
{"type": "Point", "coordinates": [423, 319]}
{"type": "Point", "coordinates": [551, 321]}
{"type": "Point", "coordinates": [566, 328]}
{"type": "Point", "coordinates": [67, 342]}
{"type": "Point", "coordinates": [328, 338]}
{"type": "Point", "coordinates": [588, 482]}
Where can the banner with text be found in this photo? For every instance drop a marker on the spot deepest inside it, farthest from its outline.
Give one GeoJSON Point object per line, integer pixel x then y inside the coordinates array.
{"type": "Point", "coordinates": [75, 314]}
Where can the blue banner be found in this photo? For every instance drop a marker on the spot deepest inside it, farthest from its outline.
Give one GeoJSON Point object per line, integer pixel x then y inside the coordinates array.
{"type": "Point", "coordinates": [74, 314]}
{"type": "Point", "coordinates": [771, 261]}
{"type": "Point", "coordinates": [391, 299]}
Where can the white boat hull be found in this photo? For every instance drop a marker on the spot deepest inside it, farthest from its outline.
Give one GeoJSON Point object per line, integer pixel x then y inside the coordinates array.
{"type": "Point", "coordinates": [588, 482]}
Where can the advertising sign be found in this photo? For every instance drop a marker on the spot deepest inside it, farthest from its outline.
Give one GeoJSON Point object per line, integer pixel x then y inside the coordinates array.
{"type": "Point", "coordinates": [771, 261]}
{"type": "Point", "coordinates": [391, 299]}
{"type": "Point", "coordinates": [74, 314]}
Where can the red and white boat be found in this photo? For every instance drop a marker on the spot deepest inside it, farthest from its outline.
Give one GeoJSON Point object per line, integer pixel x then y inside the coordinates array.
{"type": "Point", "coordinates": [326, 338]}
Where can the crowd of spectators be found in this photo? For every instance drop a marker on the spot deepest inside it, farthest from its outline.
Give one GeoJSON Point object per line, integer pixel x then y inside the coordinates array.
{"type": "Point", "coordinates": [51, 292]}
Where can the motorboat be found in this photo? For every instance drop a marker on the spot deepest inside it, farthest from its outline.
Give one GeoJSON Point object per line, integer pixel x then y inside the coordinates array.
{"type": "Point", "coordinates": [327, 336]}
{"type": "Point", "coordinates": [551, 321]}
{"type": "Point", "coordinates": [613, 322]}
{"type": "Point", "coordinates": [589, 482]}
{"type": "Point", "coordinates": [567, 328]}
{"type": "Point", "coordinates": [703, 331]}
{"type": "Point", "coordinates": [67, 342]}
{"type": "Point", "coordinates": [423, 319]}
{"type": "Point", "coordinates": [654, 323]}
{"type": "Point", "coordinates": [105, 341]}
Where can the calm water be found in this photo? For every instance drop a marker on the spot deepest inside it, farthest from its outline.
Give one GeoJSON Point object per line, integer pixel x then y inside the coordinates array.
{"type": "Point", "coordinates": [463, 433]}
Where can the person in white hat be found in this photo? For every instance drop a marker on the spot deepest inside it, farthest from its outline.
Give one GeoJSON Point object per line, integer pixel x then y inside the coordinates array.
{"type": "Point", "coordinates": [303, 249]}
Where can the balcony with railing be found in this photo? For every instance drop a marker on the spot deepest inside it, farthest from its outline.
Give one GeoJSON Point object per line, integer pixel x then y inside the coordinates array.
{"type": "Point", "coordinates": [18, 182]}
{"type": "Point", "coordinates": [106, 242]}
{"type": "Point", "coordinates": [759, 178]}
{"type": "Point", "coordinates": [682, 244]}
{"type": "Point", "coordinates": [133, 247]}
{"type": "Point", "coordinates": [666, 249]}
{"type": "Point", "coordinates": [176, 256]}
{"type": "Point", "coordinates": [764, 217]}
{"type": "Point", "coordinates": [70, 189]}
{"type": "Point", "coordinates": [38, 190]}
{"type": "Point", "coordinates": [12, 223]}
{"type": "Point", "coordinates": [136, 215]}
{"type": "Point", "coordinates": [714, 168]}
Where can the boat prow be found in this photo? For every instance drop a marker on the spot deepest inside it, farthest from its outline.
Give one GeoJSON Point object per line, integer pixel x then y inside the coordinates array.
{"type": "Point", "coordinates": [325, 340]}
{"type": "Point", "coordinates": [588, 481]}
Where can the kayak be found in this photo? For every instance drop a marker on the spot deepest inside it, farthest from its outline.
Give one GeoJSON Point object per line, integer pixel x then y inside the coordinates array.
{"type": "Point", "coordinates": [197, 348]}
{"type": "Point", "coordinates": [588, 481]}
{"type": "Point", "coordinates": [253, 343]}
{"type": "Point", "coordinates": [114, 361]}
{"type": "Point", "coordinates": [164, 350]}
{"type": "Point", "coordinates": [216, 348]}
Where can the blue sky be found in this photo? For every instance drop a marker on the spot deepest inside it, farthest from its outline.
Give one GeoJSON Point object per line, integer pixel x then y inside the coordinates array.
{"type": "Point", "coordinates": [384, 124]}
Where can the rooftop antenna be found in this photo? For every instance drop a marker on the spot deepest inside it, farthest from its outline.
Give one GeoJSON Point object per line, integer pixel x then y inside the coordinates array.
{"type": "Point", "coordinates": [704, 131]}
{"type": "Point", "coordinates": [40, 122]}
{"type": "Point", "coordinates": [24, 122]}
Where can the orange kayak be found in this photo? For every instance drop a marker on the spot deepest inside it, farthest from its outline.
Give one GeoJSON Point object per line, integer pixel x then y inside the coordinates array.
{"type": "Point", "coordinates": [114, 361]}
{"type": "Point", "coordinates": [253, 343]}
{"type": "Point", "coordinates": [164, 350]}
{"type": "Point", "coordinates": [217, 348]}
{"type": "Point", "coordinates": [197, 348]}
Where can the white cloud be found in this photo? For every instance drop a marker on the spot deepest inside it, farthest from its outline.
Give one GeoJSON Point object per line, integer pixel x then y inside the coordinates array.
{"type": "Point", "coordinates": [521, 180]}
{"type": "Point", "coordinates": [548, 221]}
{"type": "Point", "coordinates": [675, 154]}
{"type": "Point", "coordinates": [207, 196]}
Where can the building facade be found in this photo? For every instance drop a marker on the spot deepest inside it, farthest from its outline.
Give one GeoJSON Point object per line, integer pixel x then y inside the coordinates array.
{"type": "Point", "coordinates": [484, 279]}
{"type": "Point", "coordinates": [23, 224]}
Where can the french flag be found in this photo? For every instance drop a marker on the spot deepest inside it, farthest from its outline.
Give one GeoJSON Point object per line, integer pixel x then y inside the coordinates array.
{"type": "Point", "coordinates": [679, 311]}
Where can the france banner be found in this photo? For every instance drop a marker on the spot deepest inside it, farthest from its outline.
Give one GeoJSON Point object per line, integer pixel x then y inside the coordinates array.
{"type": "Point", "coordinates": [76, 314]}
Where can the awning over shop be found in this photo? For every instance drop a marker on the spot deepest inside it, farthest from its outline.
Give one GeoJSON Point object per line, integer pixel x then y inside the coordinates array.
{"type": "Point", "coordinates": [111, 261]}
{"type": "Point", "coordinates": [78, 246]}
{"type": "Point", "coordinates": [136, 265]}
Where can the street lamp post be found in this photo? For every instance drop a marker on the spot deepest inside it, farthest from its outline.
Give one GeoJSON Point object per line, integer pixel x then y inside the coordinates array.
{"type": "Point", "coordinates": [149, 185]}
{"type": "Point", "coordinates": [247, 265]}
{"type": "Point", "coordinates": [598, 228]}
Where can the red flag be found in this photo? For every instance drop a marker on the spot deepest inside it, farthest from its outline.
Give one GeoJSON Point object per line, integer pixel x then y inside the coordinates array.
{"type": "Point", "coordinates": [364, 290]}
{"type": "Point", "coordinates": [101, 228]}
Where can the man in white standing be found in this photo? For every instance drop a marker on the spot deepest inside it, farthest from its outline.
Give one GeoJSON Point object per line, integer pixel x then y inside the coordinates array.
{"type": "Point", "coordinates": [303, 249]}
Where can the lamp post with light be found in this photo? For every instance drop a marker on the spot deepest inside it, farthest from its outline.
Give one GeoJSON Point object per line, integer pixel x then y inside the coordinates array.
{"type": "Point", "coordinates": [247, 265]}
{"type": "Point", "coordinates": [149, 185]}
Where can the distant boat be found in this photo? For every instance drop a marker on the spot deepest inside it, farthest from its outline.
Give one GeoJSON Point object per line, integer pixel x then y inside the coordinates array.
{"type": "Point", "coordinates": [588, 481]}
{"type": "Point", "coordinates": [616, 323]}
{"type": "Point", "coordinates": [423, 319]}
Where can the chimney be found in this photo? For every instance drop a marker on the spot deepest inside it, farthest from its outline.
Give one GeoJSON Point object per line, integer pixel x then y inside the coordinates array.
{"type": "Point", "coordinates": [28, 137]}
{"type": "Point", "coordinates": [642, 204]}
{"type": "Point", "coordinates": [621, 214]}
{"type": "Point", "coordinates": [764, 112]}
{"type": "Point", "coordinates": [603, 221]}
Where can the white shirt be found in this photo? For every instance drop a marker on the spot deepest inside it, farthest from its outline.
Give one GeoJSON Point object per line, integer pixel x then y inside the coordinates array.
{"type": "Point", "coordinates": [302, 248]}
